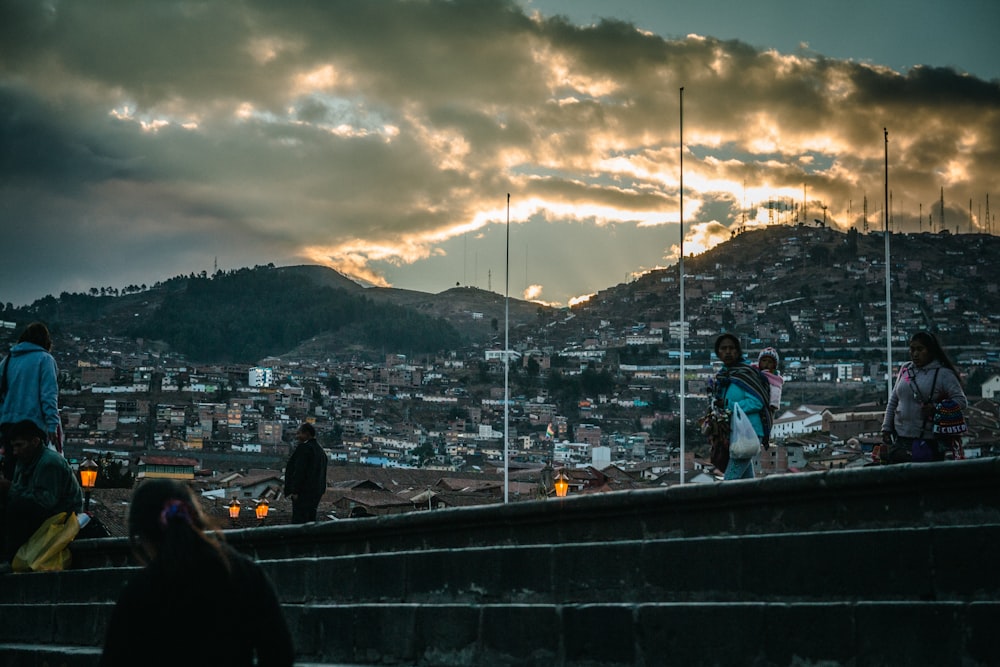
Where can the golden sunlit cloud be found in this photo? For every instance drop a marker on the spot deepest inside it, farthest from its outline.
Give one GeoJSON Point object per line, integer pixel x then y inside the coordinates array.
{"type": "Point", "coordinates": [532, 292]}
{"type": "Point", "coordinates": [245, 111]}
{"type": "Point", "coordinates": [147, 121]}
{"type": "Point", "coordinates": [700, 237]}
{"type": "Point", "coordinates": [266, 49]}
{"type": "Point", "coordinates": [563, 74]}
{"type": "Point", "coordinates": [322, 78]}
{"type": "Point", "coordinates": [576, 300]}
{"type": "Point", "coordinates": [449, 146]}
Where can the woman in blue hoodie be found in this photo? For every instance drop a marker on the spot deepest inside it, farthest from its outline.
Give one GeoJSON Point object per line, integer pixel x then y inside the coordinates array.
{"type": "Point", "coordinates": [29, 386]}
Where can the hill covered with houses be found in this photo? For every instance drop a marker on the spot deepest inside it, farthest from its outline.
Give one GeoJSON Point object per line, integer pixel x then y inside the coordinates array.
{"type": "Point", "coordinates": [593, 388]}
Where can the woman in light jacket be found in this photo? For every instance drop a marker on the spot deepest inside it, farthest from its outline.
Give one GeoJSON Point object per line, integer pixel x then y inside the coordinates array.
{"type": "Point", "coordinates": [927, 379]}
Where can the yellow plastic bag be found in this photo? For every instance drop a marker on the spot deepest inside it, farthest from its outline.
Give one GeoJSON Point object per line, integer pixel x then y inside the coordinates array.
{"type": "Point", "coordinates": [48, 549]}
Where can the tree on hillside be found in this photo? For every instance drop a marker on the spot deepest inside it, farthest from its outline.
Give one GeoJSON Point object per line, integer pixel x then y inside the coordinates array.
{"type": "Point", "coordinates": [209, 318]}
{"type": "Point", "coordinates": [594, 383]}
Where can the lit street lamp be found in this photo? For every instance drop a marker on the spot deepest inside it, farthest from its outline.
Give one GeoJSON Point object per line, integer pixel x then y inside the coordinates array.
{"type": "Point", "coordinates": [234, 511]}
{"type": "Point", "coordinates": [88, 478]}
{"type": "Point", "coordinates": [561, 484]}
{"type": "Point", "coordinates": [261, 510]}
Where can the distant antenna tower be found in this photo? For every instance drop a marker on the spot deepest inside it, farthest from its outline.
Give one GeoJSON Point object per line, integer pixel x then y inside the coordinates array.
{"type": "Point", "coordinates": [744, 202]}
{"type": "Point", "coordinates": [920, 218]}
{"type": "Point", "coordinates": [989, 226]}
{"type": "Point", "coordinates": [489, 280]}
{"type": "Point", "coordinates": [770, 211]}
{"type": "Point", "coordinates": [941, 219]}
{"type": "Point", "coordinates": [865, 214]}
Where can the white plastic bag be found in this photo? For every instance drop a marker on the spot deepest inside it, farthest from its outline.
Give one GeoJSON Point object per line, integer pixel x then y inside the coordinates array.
{"type": "Point", "coordinates": [744, 443]}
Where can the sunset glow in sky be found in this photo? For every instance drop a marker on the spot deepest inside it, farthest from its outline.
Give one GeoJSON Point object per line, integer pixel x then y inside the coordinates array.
{"type": "Point", "coordinates": [147, 139]}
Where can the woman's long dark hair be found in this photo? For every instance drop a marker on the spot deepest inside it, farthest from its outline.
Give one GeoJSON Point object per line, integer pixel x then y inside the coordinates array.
{"type": "Point", "coordinates": [165, 516]}
{"type": "Point", "coordinates": [37, 333]}
{"type": "Point", "coordinates": [930, 341]}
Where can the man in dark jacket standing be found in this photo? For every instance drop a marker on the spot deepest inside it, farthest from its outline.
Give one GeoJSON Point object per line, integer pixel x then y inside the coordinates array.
{"type": "Point", "coordinates": [305, 475]}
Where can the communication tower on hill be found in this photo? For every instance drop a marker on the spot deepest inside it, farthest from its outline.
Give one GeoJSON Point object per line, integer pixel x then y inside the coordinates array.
{"type": "Point", "coordinates": [941, 219]}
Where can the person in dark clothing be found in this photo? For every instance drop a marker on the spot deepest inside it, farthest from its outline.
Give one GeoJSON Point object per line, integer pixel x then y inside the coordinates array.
{"type": "Point", "coordinates": [305, 475]}
{"type": "Point", "coordinates": [43, 486]}
{"type": "Point", "coordinates": [197, 602]}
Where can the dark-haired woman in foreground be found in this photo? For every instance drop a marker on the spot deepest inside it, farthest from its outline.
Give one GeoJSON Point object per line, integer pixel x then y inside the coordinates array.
{"type": "Point", "coordinates": [196, 601]}
{"type": "Point", "coordinates": [927, 379]}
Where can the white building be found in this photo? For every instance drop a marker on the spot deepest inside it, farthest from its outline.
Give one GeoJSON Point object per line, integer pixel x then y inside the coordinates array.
{"type": "Point", "coordinates": [498, 355]}
{"type": "Point", "coordinates": [571, 452]}
{"type": "Point", "coordinates": [600, 457]}
{"type": "Point", "coordinates": [799, 421]}
{"type": "Point", "coordinates": [991, 387]}
{"type": "Point", "coordinates": [259, 376]}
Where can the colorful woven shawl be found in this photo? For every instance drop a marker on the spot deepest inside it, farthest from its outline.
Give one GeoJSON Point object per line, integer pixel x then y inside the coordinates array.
{"type": "Point", "coordinates": [752, 381]}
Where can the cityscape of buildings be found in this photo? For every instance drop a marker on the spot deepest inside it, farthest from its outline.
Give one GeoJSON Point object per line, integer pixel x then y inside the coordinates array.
{"type": "Point", "coordinates": [591, 395]}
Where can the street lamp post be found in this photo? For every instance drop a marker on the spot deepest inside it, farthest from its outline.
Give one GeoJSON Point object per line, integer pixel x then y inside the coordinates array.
{"type": "Point", "coordinates": [88, 478]}
{"type": "Point", "coordinates": [234, 511]}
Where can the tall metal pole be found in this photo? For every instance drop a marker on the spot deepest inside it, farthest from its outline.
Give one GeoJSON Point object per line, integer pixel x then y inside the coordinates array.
{"type": "Point", "coordinates": [680, 266]}
{"type": "Point", "coordinates": [888, 281]}
{"type": "Point", "coordinates": [506, 369]}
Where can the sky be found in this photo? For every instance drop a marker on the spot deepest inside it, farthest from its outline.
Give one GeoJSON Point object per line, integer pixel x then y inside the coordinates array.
{"type": "Point", "coordinates": [530, 147]}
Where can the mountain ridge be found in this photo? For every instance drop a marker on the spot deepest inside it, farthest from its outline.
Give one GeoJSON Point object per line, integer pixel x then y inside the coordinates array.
{"type": "Point", "coordinates": [764, 282]}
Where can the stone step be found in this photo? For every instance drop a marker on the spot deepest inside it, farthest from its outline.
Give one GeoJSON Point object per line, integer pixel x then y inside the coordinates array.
{"type": "Point", "coordinates": [65, 623]}
{"type": "Point", "coordinates": [902, 563]}
{"type": "Point", "coordinates": [916, 563]}
{"type": "Point", "coordinates": [593, 635]}
{"type": "Point", "coordinates": [36, 655]}
{"type": "Point", "coordinates": [90, 585]}
{"type": "Point", "coordinates": [691, 634]}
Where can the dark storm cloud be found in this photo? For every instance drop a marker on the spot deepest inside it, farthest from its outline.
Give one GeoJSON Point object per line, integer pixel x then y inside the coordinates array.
{"type": "Point", "coordinates": [40, 147]}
